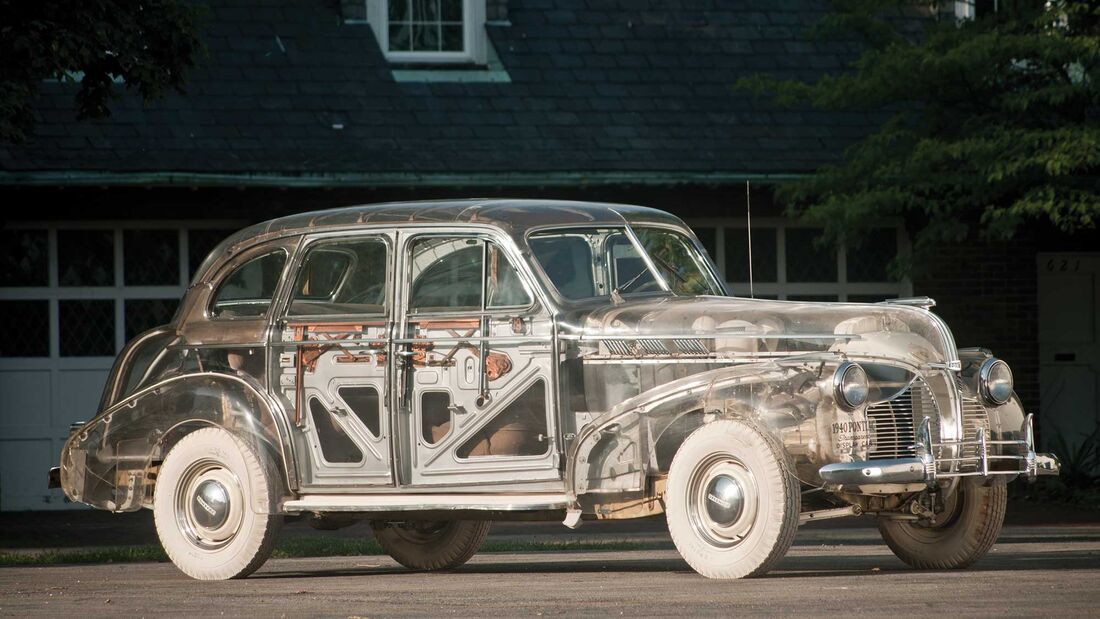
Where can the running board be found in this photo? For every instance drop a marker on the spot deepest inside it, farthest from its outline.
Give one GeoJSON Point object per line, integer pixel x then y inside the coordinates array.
{"type": "Point", "coordinates": [425, 502]}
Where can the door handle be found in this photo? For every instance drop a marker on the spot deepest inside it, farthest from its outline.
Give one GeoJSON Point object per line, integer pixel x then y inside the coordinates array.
{"type": "Point", "coordinates": [405, 353]}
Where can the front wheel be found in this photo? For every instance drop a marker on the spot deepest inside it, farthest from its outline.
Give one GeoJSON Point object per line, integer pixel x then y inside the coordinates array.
{"type": "Point", "coordinates": [204, 506]}
{"type": "Point", "coordinates": [431, 545]}
{"type": "Point", "coordinates": [962, 534]}
{"type": "Point", "coordinates": [731, 505]}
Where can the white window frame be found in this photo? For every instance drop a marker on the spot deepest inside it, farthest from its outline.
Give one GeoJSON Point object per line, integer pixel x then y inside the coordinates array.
{"type": "Point", "coordinates": [781, 288]}
{"type": "Point", "coordinates": [118, 293]}
{"type": "Point", "coordinates": [473, 38]}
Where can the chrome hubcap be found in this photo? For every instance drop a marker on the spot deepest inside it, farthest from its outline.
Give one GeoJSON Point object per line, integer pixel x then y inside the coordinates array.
{"type": "Point", "coordinates": [725, 499]}
{"type": "Point", "coordinates": [722, 500]}
{"type": "Point", "coordinates": [209, 505]}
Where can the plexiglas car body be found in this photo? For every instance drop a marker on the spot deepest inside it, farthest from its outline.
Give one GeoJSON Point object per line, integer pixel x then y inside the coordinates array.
{"type": "Point", "coordinates": [485, 359]}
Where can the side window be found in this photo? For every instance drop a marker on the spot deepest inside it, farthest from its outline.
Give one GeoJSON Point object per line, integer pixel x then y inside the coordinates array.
{"type": "Point", "coordinates": [247, 291]}
{"type": "Point", "coordinates": [462, 275]}
{"type": "Point", "coordinates": [344, 277]}
{"type": "Point", "coordinates": [446, 274]}
{"type": "Point", "coordinates": [567, 261]}
{"type": "Point", "coordinates": [628, 271]}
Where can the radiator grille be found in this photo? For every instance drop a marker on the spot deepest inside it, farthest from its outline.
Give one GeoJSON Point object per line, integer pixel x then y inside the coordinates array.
{"type": "Point", "coordinates": [974, 418]}
{"type": "Point", "coordinates": [894, 422]}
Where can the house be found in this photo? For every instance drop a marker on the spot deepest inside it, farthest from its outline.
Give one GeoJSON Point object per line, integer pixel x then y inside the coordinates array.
{"type": "Point", "coordinates": [309, 104]}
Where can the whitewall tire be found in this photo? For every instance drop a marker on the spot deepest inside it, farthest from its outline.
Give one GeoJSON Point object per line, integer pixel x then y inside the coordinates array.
{"type": "Point", "coordinates": [204, 502]}
{"type": "Point", "coordinates": [732, 507]}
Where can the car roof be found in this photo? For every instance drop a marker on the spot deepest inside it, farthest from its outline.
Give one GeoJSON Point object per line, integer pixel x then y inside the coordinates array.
{"type": "Point", "coordinates": [513, 216]}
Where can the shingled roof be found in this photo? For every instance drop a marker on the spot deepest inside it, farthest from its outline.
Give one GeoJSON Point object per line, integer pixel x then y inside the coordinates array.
{"type": "Point", "coordinates": [616, 88]}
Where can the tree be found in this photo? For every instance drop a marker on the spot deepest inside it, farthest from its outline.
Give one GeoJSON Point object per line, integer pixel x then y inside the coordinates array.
{"type": "Point", "coordinates": [149, 45]}
{"type": "Point", "coordinates": [988, 123]}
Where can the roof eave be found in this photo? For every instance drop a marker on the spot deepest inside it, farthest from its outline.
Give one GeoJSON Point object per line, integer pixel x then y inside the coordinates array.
{"type": "Point", "coordinates": [382, 179]}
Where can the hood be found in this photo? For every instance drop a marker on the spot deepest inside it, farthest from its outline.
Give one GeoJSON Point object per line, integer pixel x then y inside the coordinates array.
{"type": "Point", "coordinates": [750, 327]}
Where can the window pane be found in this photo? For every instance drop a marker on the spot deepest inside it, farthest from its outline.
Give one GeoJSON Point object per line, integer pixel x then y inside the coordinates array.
{"type": "Point", "coordinates": [814, 298]}
{"type": "Point", "coordinates": [678, 262]}
{"type": "Point", "coordinates": [869, 261]}
{"type": "Point", "coordinates": [248, 290]}
{"type": "Point", "coordinates": [346, 277]}
{"type": "Point", "coordinates": [451, 10]}
{"type": "Point", "coordinates": [86, 328]}
{"type": "Point", "coordinates": [764, 252]}
{"type": "Point", "coordinates": [200, 243]}
{"type": "Point", "coordinates": [400, 10]}
{"type": "Point", "coordinates": [629, 272]}
{"type": "Point", "coordinates": [425, 37]}
{"type": "Point", "coordinates": [144, 314]}
{"type": "Point", "coordinates": [446, 275]}
{"type": "Point", "coordinates": [503, 285]}
{"type": "Point", "coordinates": [400, 37]}
{"type": "Point", "coordinates": [29, 332]}
{"type": "Point", "coordinates": [24, 258]}
{"type": "Point", "coordinates": [451, 39]}
{"type": "Point", "coordinates": [151, 257]}
{"type": "Point", "coordinates": [805, 262]}
{"type": "Point", "coordinates": [86, 257]}
{"type": "Point", "coordinates": [567, 261]}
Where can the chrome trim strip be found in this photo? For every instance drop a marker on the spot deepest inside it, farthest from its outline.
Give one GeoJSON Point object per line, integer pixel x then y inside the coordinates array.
{"type": "Point", "coordinates": [584, 337]}
{"type": "Point", "coordinates": [425, 502]}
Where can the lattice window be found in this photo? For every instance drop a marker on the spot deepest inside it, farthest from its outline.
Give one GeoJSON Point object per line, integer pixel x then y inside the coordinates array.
{"type": "Point", "coordinates": [24, 258]}
{"type": "Point", "coordinates": [30, 332]}
{"type": "Point", "coordinates": [151, 257]}
{"type": "Point", "coordinates": [86, 327]}
{"type": "Point", "coordinates": [86, 257]}
{"type": "Point", "coordinates": [786, 264]}
{"type": "Point", "coordinates": [144, 314]}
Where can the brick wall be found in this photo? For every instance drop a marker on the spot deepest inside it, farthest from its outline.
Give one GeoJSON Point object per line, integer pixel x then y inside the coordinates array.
{"type": "Point", "coordinates": [988, 294]}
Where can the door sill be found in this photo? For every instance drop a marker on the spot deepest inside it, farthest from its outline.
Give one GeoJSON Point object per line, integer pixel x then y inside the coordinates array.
{"type": "Point", "coordinates": [425, 502]}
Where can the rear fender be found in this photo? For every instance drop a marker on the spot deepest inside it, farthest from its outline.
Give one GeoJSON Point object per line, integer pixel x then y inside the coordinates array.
{"type": "Point", "coordinates": [108, 463]}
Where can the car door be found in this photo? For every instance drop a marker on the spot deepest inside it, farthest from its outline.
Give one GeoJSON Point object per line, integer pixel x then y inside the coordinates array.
{"type": "Point", "coordinates": [475, 401]}
{"type": "Point", "coordinates": [333, 369]}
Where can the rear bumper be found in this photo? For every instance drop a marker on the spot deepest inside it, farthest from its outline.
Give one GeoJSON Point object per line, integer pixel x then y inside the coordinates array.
{"type": "Point", "coordinates": [926, 467]}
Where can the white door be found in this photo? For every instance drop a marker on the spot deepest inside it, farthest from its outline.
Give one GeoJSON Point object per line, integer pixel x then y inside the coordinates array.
{"type": "Point", "coordinates": [1069, 350]}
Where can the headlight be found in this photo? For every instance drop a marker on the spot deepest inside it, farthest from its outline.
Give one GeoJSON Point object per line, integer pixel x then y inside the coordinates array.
{"type": "Point", "coordinates": [850, 386]}
{"type": "Point", "coordinates": [995, 381]}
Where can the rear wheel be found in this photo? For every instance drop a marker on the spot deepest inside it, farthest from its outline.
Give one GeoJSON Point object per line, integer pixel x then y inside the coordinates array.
{"type": "Point", "coordinates": [204, 506]}
{"type": "Point", "coordinates": [731, 505]}
{"type": "Point", "coordinates": [962, 534]}
{"type": "Point", "coordinates": [431, 545]}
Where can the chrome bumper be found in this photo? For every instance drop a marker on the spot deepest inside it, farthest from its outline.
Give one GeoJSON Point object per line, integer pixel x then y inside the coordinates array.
{"type": "Point", "coordinates": [924, 467]}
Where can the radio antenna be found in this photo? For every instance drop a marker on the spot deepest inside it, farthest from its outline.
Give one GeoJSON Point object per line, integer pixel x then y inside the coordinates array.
{"type": "Point", "coordinates": [748, 230]}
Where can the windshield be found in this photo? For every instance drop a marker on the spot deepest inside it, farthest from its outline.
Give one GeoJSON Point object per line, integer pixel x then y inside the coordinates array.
{"type": "Point", "coordinates": [590, 262]}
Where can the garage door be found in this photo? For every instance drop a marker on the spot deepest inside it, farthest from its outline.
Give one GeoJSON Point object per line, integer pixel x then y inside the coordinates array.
{"type": "Point", "coordinates": [71, 295]}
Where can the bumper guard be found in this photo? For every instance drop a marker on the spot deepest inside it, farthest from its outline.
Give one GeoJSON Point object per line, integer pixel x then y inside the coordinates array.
{"type": "Point", "coordinates": [924, 467]}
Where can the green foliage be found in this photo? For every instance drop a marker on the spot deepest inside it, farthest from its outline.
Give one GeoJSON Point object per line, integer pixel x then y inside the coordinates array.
{"type": "Point", "coordinates": [986, 124]}
{"type": "Point", "coordinates": [147, 44]}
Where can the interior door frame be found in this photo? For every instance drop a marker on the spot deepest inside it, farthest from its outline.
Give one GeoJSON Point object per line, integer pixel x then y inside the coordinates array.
{"type": "Point", "coordinates": [502, 469]}
{"type": "Point", "coordinates": [316, 471]}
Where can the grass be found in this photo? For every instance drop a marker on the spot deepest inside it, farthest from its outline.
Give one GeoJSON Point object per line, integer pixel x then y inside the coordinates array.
{"type": "Point", "coordinates": [297, 547]}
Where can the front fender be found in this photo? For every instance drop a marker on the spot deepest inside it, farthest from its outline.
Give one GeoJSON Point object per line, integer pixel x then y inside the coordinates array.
{"type": "Point", "coordinates": [106, 464]}
{"type": "Point", "coordinates": [789, 401]}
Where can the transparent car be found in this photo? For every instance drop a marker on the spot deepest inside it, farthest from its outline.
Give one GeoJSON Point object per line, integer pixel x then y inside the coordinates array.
{"type": "Point", "coordinates": [431, 367]}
